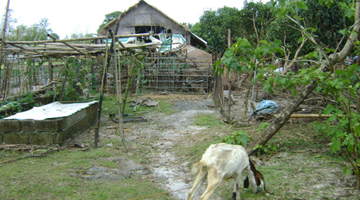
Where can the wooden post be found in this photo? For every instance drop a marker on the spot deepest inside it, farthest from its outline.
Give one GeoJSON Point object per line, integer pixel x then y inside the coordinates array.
{"type": "Point", "coordinates": [3, 36]}
{"type": "Point", "coordinates": [51, 76]}
{"type": "Point", "coordinates": [218, 90]}
{"type": "Point", "coordinates": [229, 97]}
{"type": "Point", "coordinates": [229, 38]}
{"type": "Point", "coordinates": [106, 66]}
{"type": "Point", "coordinates": [4, 30]}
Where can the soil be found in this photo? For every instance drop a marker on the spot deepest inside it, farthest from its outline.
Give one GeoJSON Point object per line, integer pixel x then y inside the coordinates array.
{"type": "Point", "coordinates": [158, 139]}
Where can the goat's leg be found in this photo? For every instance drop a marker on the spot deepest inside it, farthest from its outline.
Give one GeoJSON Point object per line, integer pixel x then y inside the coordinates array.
{"type": "Point", "coordinates": [214, 180]}
{"type": "Point", "coordinates": [236, 192]}
{"type": "Point", "coordinates": [197, 183]}
{"type": "Point", "coordinates": [236, 187]}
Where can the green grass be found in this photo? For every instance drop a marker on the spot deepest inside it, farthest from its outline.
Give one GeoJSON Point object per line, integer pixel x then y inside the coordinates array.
{"type": "Point", "coordinates": [52, 177]}
{"type": "Point", "coordinates": [110, 105]}
{"type": "Point", "coordinates": [209, 120]}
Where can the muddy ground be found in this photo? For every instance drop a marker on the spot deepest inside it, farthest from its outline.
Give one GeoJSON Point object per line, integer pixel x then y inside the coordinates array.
{"type": "Point", "coordinates": [160, 137]}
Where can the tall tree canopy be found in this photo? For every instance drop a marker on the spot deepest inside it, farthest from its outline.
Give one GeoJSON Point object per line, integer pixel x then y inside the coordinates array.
{"type": "Point", "coordinates": [322, 20]}
{"type": "Point", "coordinates": [251, 22]}
{"type": "Point", "coordinates": [108, 18]}
{"type": "Point", "coordinates": [36, 31]}
{"type": "Point", "coordinates": [214, 25]}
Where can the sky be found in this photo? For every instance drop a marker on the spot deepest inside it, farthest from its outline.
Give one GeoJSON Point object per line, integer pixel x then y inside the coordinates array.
{"type": "Point", "coordinates": [84, 16]}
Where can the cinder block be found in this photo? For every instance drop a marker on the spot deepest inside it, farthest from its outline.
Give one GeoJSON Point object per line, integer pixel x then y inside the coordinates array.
{"type": "Point", "coordinates": [16, 138]}
{"type": "Point", "coordinates": [27, 125]}
{"type": "Point", "coordinates": [9, 125]}
{"type": "Point", "coordinates": [56, 138]}
{"type": "Point", "coordinates": [42, 138]}
{"type": "Point", "coordinates": [49, 125]}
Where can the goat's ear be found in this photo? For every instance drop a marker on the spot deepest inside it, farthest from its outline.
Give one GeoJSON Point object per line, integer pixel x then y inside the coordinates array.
{"type": "Point", "coordinates": [246, 182]}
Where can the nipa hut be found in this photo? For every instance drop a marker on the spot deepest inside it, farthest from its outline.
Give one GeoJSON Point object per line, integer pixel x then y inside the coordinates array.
{"type": "Point", "coordinates": [177, 65]}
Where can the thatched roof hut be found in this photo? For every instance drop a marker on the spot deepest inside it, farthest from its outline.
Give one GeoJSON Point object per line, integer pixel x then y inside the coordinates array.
{"type": "Point", "coordinates": [143, 18]}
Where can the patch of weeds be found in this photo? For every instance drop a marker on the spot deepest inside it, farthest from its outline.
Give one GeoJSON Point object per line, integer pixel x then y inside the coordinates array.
{"type": "Point", "coordinates": [166, 108]}
{"type": "Point", "coordinates": [109, 105]}
{"type": "Point", "coordinates": [100, 152]}
{"type": "Point", "coordinates": [267, 149]}
{"type": "Point", "coordinates": [209, 120]}
{"type": "Point", "coordinates": [290, 175]}
{"type": "Point", "coordinates": [107, 163]}
{"type": "Point", "coordinates": [84, 163]}
{"type": "Point", "coordinates": [111, 143]}
{"type": "Point", "coordinates": [124, 189]}
{"type": "Point", "coordinates": [52, 177]}
{"type": "Point", "coordinates": [239, 138]}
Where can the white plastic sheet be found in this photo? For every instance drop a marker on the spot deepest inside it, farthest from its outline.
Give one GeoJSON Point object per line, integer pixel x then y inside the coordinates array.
{"type": "Point", "coordinates": [52, 110]}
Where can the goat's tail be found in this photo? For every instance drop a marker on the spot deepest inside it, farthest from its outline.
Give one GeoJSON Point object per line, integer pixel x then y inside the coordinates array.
{"type": "Point", "coordinates": [196, 167]}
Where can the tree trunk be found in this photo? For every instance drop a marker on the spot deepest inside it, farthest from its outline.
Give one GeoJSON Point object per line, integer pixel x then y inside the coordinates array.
{"type": "Point", "coordinates": [218, 89]}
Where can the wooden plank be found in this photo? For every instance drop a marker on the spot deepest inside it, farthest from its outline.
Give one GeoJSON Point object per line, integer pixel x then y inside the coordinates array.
{"type": "Point", "coordinates": [308, 116]}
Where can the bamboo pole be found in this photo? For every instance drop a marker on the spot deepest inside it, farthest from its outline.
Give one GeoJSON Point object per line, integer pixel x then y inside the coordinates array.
{"type": "Point", "coordinates": [120, 128]}
{"type": "Point", "coordinates": [4, 31]}
{"type": "Point", "coordinates": [20, 47]}
{"type": "Point", "coordinates": [3, 38]}
{"type": "Point", "coordinates": [229, 97]}
{"type": "Point", "coordinates": [8, 79]}
{"type": "Point", "coordinates": [74, 40]}
{"type": "Point", "coordinates": [76, 49]}
{"type": "Point", "coordinates": [309, 116]}
{"type": "Point", "coordinates": [106, 66]}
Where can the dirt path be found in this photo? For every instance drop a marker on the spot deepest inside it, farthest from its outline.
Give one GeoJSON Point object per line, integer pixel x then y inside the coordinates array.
{"type": "Point", "coordinates": [168, 131]}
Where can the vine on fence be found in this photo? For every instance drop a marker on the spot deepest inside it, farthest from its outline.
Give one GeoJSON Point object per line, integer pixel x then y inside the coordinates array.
{"type": "Point", "coordinates": [76, 79]}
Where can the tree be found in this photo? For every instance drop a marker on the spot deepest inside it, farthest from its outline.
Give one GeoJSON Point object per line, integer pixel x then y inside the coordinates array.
{"type": "Point", "coordinates": [323, 22]}
{"type": "Point", "coordinates": [108, 18]}
{"type": "Point", "coordinates": [10, 22]}
{"type": "Point", "coordinates": [252, 22]}
{"type": "Point", "coordinates": [256, 19]}
{"type": "Point", "coordinates": [341, 85]}
{"type": "Point", "coordinates": [214, 25]}
{"type": "Point", "coordinates": [37, 31]}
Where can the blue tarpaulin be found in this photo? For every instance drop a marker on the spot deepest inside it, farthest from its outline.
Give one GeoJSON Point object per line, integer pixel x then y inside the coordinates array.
{"type": "Point", "coordinates": [266, 106]}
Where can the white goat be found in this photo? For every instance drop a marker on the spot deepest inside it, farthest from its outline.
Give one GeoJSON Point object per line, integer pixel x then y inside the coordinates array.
{"type": "Point", "coordinates": [225, 161]}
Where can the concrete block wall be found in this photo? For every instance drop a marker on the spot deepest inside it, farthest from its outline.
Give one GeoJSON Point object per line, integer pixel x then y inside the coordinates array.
{"type": "Point", "coordinates": [49, 131]}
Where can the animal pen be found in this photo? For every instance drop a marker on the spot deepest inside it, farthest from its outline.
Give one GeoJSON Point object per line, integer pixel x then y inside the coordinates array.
{"type": "Point", "coordinates": [63, 70]}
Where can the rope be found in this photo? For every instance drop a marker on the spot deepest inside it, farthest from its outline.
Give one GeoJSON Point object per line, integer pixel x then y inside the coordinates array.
{"type": "Point", "coordinates": [158, 194]}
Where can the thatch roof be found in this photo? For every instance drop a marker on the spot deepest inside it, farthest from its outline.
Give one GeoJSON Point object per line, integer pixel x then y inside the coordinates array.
{"type": "Point", "coordinates": [117, 20]}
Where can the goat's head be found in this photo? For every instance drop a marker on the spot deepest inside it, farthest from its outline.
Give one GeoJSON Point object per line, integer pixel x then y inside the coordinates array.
{"type": "Point", "coordinates": [259, 178]}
